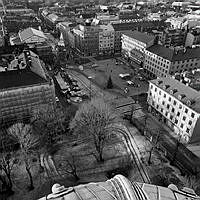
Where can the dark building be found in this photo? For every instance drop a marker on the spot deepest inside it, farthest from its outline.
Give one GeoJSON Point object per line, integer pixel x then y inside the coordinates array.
{"type": "Point", "coordinates": [87, 39]}
{"type": "Point", "coordinates": [143, 26]}
{"type": "Point", "coordinates": [24, 86]}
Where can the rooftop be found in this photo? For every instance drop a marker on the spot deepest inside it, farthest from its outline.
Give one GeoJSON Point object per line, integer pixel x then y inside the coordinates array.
{"type": "Point", "coordinates": [134, 25]}
{"type": "Point", "coordinates": [19, 78]}
{"type": "Point", "coordinates": [119, 188]}
{"type": "Point", "coordinates": [29, 32]}
{"type": "Point", "coordinates": [143, 37]}
{"type": "Point", "coordinates": [173, 55]}
{"type": "Point", "coordinates": [188, 94]}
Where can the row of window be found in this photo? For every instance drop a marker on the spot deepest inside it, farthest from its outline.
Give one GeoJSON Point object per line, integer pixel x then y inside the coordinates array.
{"type": "Point", "coordinates": [185, 61]}
{"type": "Point", "coordinates": [171, 101]}
{"type": "Point", "coordinates": [156, 58]}
{"type": "Point", "coordinates": [172, 116]}
{"type": "Point", "coordinates": [156, 72]}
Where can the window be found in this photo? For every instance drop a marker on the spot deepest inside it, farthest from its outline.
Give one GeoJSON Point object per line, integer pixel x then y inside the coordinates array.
{"type": "Point", "coordinates": [181, 125]}
{"type": "Point", "coordinates": [171, 117]}
{"type": "Point", "coordinates": [173, 110]}
{"type": "Point", "coordinates": [176, 121]}
{"type": "Point", "coordinates": [187, 130]}
{"type": "Point", "coordinates": [190, 122]}
{"type": "Point", "coordinates": [178, 114]}
{"type": "Point", "coordinates": [170, 98]}
{"type": "Point", "coordinates": [155, 89]}
{"type": "Point", "coordinates": [161, 110]}
{"type": "Point", "coordinates": [184, 118]}
{"type": "Point", "coordinates": [157, 106]}
{"type": "Point", "coordinates": [159, 92]}
{"type": "Point", "coordinates": [180, 106]}
{"type": "Point", "coordinates": [163, 103]}
{"type": "Point", "coordinates": [192, 115]}
{"type": "Point", "coordinates": [164, 95]}
{"type": "Point", "coordinates": [174, 102]}
{"type": "Point", "coordinates": [167, 106]}
{"type": "Point", "coordinates": [186, 110]}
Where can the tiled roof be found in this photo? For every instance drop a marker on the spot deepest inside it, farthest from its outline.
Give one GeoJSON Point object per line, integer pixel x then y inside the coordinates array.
{"type": "Point", "coordinates": [181, 89]}
{"type": "Point", "coordinates": [173, 55]}
{"type": "Point", "coordinates": [142, 37]}
{"type": "Point", "coordinates": [19, 78]}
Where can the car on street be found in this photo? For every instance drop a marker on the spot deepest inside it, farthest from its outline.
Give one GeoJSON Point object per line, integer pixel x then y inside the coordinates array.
{"type": "Point", "coordinates": [57, 99]}
{"type": "Point", "coordinates": [141, 78]}
{"type": "Point", "coordinates": [124, 76]}
{"type": "Point", "coordinates": [130, 83]}
{"type": "Point", "coordinates": [76, 99]}
{"type": "Point", "coordinates": [94, 65]}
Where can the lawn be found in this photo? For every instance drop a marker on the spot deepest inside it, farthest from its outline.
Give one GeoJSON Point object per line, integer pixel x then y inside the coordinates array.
{"type": "Point", "coordinates": [116, 159]}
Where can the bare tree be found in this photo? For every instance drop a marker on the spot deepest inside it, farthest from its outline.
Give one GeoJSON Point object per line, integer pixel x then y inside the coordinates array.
{"type": "Point", "coordinates": [7, 161]}
{"type": "Point", "coordinates": [192, 182]}
{"type": "Point", "coordinates": [68, 164]}
{"type": "Point", "coordinates": [27, 141]}
{"type": "Point", "coordinates": [95, 120]}
{"type": "Point", "coordinates": [47, 122]}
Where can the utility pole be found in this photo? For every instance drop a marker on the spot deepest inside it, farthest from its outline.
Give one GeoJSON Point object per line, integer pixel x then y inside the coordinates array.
{"type": "Point", "coordinates": [178, 143]}
{"type": "Point", "coordinates": [153, 146]}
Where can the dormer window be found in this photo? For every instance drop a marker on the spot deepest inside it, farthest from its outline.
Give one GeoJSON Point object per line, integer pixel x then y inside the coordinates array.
{"type": "Point", "coordinates": [160, 82]}
{"type": "Point", "coordinates": [166, 87]}
{"type": "Point", "coordinates": [190, 102]}
{"type": "Point", "coordinates": [181, 96]}
{"type": "Point", "coordinates": [173, 91]}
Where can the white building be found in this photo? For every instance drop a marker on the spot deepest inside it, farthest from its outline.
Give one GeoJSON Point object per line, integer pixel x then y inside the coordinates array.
{"type": "Point", "coordinates": [177, 22]}
{"type": "Point", "coordinates": [162, 62]}
{"type": "Point", "coordinates": [134, 44]}
{"type": "Point", "coordinates": [106, 39]}
{"type": "Point", "coordinates": [178, 106]}
{"type": "Point", "coordinates": [31, 35]}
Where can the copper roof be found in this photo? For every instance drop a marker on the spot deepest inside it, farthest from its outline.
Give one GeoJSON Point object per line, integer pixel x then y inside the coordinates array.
{"type": "Point", "coordinates": [120, 188]}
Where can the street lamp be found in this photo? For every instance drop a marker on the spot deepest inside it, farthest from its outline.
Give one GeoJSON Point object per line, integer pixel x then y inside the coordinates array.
{"type": "Point", "coordinates": [90, 78]}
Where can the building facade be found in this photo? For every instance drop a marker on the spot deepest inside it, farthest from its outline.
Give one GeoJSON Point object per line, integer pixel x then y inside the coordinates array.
{"type": "Point", "coordinates": [87, 39]}
{"type": "Point", "coordinates": [24, 88]}
{"type": "Point", "coordinates": [173, 37]}
{"type": "Point", "coordinates": [106, 40]}
{"type": "Point", "coordinates": [193, 38]}
{"type": "Point", "coordinates": [134, 44]}
{"type": "Point", "coordinates": [176, 105]}
{"type": "Point", "coordinates": [162, 62]}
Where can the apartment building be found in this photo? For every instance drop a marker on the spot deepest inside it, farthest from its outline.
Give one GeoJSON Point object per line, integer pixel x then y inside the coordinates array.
{"type": "Point", "coordinates": [87, 39]}
{"type": "Point", "coordinates": [134, 44]}
{"type": "Point", "coordinates": [106, 40]}
{"type": "Point", "coordinates": [193, 38]}
{"type": "Point", "coordinates": [178, 106]}
{"type": "Point", "coordinates": [162, 62]}
{"type": "Point", "coordinates": [24, 86]}
{"type": "Point", "coordinates": [173, 37]}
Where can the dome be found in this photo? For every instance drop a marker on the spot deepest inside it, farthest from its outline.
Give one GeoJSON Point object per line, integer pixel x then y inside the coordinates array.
{"type": "Point", "coordinates": [119, 188]}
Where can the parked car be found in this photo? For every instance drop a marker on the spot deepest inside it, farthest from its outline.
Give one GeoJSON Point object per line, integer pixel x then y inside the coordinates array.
{"type": "Point", "coordinates": [130, 83]}
{"type": "Point", "coordinates": [94, 65]}
{"type": "Point", "coordinates": [123, 76]}
{"type": "Point", "coordinates": [141, 78]}
{"type": "Point", "coordinates": [76, 99]}
{"type": "Point", "coordinates": [76, 88]}
{"type": "Point", "coordinates": [57, 99]}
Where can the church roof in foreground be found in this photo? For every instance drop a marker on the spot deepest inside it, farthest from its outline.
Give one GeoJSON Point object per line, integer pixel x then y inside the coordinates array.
{"type": "Point", "coordinates": [120, 188]}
